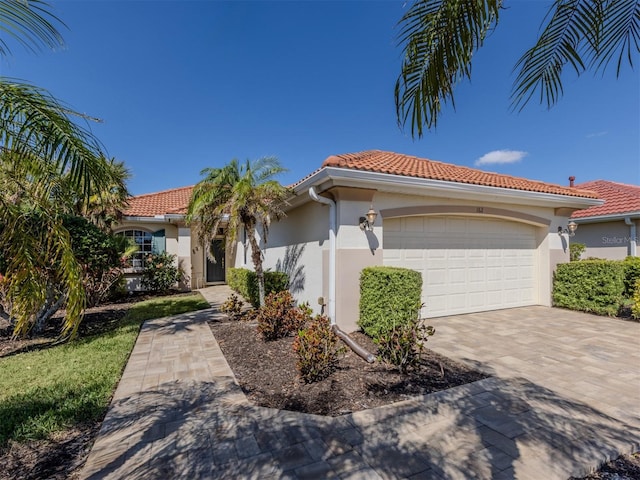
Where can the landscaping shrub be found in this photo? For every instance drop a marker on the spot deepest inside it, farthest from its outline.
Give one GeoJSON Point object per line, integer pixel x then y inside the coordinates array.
{"type": "Point", "coordinates": [317, 348]}
{"type": "Point", "coordinates": [576, 250]}
{"type": "Point", "coordinates": [160, 272]}
{"type": "Point", "coordinates": [402, 343]}
{"type": "Point", "coordinates": [245, 282]}
{"type": "Point", "coordinates": [389, 296]}
{"type": "Point", "coordinates": [635, 306]}
{"type": "Point", "coordinates": [631, 274]}
{"type": "Point", "coordinates": [232, 307]}
{"type": "Point", "coordinates": [279, 317]}
{"type": "Point", "coordinates": [595, 286]}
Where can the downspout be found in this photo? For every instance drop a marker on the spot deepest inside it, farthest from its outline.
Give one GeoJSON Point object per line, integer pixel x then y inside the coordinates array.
{"type": "Point", "coordinates": [633, 240]}
{"type": "Point", "coordinates": [332, 251]}
{"type": "Point", "coordinates": [364, 354]}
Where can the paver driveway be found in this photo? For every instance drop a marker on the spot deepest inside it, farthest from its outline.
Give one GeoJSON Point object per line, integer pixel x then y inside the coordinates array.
{"type": "Point", "coordinates": [563, 398]}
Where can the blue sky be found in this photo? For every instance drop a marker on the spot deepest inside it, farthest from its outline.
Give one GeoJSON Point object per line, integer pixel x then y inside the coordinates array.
{"type": "Point", "coordinates": [184, 85]}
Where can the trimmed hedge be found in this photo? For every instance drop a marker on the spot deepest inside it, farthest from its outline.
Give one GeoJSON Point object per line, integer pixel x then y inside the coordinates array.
{"type": "Point", "coordinates": [595, 286]}
{"type": "Point", "coordinates": [245, 282]}
{"type": "Point", "coordinates": [631, 274]}
{"type": "Point", "coordinates": [389, 296]}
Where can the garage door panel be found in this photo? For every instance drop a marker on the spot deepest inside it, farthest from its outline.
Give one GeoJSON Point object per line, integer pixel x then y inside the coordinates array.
{"type": "Point", "coordinates": [467, 264]}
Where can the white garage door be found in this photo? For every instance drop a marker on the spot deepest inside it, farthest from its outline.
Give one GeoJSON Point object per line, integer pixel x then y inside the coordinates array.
{"type": "Point", "coordinates": [468, 264]}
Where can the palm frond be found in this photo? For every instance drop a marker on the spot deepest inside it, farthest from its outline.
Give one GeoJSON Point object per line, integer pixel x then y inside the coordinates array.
{"type": "Point", "coordinates": [438, 38]}
{"type": "Point", "coordinates": [580, 33]}
{"type": "Point", "coordinates": [620, 34]}
{"type": "Point", "coordinates": [30, 23]}
{"type": "Point", "coordinates": [38, 254]}
{"type": "Point", "coordinates": [35, 125]}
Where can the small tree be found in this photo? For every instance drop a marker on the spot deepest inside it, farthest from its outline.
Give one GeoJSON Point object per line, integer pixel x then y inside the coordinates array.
{"type": "Point", "coordinates": [99, 255]}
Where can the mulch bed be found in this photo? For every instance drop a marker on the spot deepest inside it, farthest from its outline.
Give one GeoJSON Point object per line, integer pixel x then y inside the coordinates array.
{"type": "Point", "coordinates": [266, 372]}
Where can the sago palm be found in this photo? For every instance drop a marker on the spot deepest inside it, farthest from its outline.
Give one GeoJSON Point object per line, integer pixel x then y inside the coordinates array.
{"type": "Point", "coordinates": [243, 195]}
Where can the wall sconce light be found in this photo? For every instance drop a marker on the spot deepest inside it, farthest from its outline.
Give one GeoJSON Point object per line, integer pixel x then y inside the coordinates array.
{"type": "Point", "coordinates": [570, 230]}
{"type": "Point", "coordinates": [366, 222]}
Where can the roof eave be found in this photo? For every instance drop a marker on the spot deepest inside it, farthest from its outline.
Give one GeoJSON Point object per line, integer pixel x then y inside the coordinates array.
{"type": "Point", "coordinates": [414, 185]}
{"type": "Point", "coordinates": [608, 217]}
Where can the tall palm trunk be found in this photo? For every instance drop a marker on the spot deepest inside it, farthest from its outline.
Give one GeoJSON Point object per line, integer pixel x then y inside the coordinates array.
{"type": "Point", "coordinates": [256, 258]}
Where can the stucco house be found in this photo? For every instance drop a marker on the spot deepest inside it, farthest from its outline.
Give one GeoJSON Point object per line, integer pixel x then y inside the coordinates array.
{"type": "Point", "coordinates": [482, 241]}
{"type": "Point", "coordinates": [609, 230]}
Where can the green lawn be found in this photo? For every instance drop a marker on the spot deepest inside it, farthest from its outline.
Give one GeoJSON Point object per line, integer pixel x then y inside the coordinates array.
{"type": "Point", "coordinates": [45, 391]}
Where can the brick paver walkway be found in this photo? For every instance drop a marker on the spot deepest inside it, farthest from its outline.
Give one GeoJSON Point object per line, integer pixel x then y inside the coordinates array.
{"type": "Point", "coordinates": [564, 398]}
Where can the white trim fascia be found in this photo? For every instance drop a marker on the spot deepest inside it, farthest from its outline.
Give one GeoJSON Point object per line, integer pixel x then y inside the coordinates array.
{"type": "Point", "coordinates": [164, 218]}
{"type": "Point", "coordinates": [154, 219]}
{"type": "Point", "coordinates": [408, 185]}
{"type": "Point", "coordinates": [607, 218]}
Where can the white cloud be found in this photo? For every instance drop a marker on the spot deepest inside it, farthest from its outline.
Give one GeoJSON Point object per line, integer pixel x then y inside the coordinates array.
{"type": "Point", "coordinates": [501, 156]}
{"type": "Point", "coordinates": [597, 134]}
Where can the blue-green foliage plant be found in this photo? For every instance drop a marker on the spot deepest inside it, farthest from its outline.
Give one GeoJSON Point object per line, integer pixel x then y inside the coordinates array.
{"type": "Point", "coordinates": [595, 286]}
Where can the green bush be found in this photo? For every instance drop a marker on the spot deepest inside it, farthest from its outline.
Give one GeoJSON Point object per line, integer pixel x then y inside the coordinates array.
{"type": "Point", "coordinates": [631, 274]}
{"type": "Point", "coordinates": [245, 282]}
{"type": "Point", "coordinates": [232, 307]}
{"type": "Point", "coordinates": [318, 350]}
{"type": "Point", "coordinates": [595, 286]}
{"type": "Point", "coordinates": [635, 306]}
{"type": "Point", "coordinates": [576, 250]}
{"type": "Point", "coordinates": [389, 296]}
{"type": "Point", "coordinates": [279, 317]}
{"type": "Point", "coordinates": [403, 344]}
{"type": "Point", "coordinates": [160, 272]}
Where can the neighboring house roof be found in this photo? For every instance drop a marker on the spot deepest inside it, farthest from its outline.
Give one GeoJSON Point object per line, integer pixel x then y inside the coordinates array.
{"type": "Point", "coordinates": [167, 202]}
{"type": "Point", "coordinates": [619, 198]}
{"type": "Point", "coordinates": [410, 166]}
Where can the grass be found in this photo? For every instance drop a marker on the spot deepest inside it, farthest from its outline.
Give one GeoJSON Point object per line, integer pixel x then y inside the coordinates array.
{"type": "Point", "coordinates": [47, 391]}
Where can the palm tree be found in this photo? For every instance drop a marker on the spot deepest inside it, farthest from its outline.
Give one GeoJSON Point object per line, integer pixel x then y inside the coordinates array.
{"type": "Point", "coordinates": [104, 207]}
{"type": "Point", "coordinates": [243, 195]}
{"type": "Point", "coordinates": [42, 152]}
{"type": "Point", "coordinates": [440, 37]}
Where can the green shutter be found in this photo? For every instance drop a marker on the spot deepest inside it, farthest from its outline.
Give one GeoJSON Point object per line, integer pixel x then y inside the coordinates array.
{"type": "Point", "coordinates": [158, 242]}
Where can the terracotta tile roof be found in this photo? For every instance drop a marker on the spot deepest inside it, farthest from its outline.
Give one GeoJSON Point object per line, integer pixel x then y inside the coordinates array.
{"type": "Point", "coordinates": [618, 198]}
{"type": "Point", "coordinates": [174, 201]}
{"type": "Point", "coordinates": [410, 166]}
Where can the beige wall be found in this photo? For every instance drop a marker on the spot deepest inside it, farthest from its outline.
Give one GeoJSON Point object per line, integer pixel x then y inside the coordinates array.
{"type": "Point", "coordinates": [611, 240]}
{"type": "Point", "coordinates": [302, 235]}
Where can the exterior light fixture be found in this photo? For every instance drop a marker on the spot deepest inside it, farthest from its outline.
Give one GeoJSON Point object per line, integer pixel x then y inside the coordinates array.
{"type": "Point", "coordinates": [366, 222]}
{"type": "Point", "coordinates": [570, 230]}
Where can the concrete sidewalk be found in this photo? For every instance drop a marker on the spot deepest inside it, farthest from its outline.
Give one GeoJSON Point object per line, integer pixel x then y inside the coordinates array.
{"type": "Point", "coordinates": [178, 412]}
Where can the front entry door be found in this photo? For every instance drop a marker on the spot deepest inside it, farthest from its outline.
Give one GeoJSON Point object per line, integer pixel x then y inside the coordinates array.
{"type": "Point", "coordinates": [215, 270]}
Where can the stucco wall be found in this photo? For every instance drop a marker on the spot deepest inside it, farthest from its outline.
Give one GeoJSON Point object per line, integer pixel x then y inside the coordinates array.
{"type": "Point", "coordinates": [300, 237]}
{"type": "Point", "coordinates": [611, 240]}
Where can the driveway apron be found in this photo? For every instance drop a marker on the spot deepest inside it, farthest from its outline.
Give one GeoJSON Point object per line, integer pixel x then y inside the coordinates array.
{"type": "Point", "coordinates": [563, 397]}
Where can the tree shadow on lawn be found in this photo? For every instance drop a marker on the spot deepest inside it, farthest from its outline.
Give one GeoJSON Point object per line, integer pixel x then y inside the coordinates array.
{"type": "Point", "coordinates": [491, 428]}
